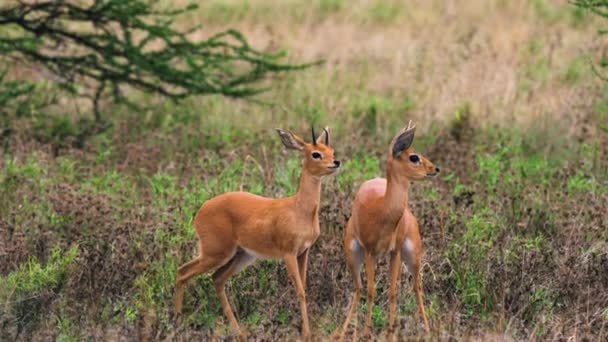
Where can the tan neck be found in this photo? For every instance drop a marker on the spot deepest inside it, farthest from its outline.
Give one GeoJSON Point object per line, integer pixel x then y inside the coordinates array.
{"type": "Point", "coordinates": [309, 192]}
{"type": "Point", "coordinates": [396, 196]}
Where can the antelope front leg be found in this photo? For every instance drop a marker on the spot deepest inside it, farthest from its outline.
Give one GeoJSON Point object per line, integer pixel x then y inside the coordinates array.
{"type": "Point", "coordinates": [354, 260]}
{"type": "Point", "coordinates": [302, 266]}
{"type": "Point", "coordinates": [417, 285]}
{"type": "Point", "coordinates": [395, 267]}
{"type": "Point", "coordinates": [369, 270]}
{"type": "Point", "coordinates": [292, 268]}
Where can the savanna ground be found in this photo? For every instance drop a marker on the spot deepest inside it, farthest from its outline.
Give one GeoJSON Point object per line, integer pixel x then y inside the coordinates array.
{"type": "Point", "coordinates": [514, 229]}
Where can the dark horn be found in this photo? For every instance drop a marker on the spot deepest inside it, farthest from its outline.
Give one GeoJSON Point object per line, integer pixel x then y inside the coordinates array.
{"type": "Point", "coordinates": [314, 138]}
{"type": "Point", "coordinates": [326, 137]}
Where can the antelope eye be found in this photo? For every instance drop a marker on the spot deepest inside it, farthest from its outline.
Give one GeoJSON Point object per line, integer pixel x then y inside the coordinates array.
{"type": "Point", "coordinates": [414, 158]}
{"type": "Point", "coordinates": [316, 155]}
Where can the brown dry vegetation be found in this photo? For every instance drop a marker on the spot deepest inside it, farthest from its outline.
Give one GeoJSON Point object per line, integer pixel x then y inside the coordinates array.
{"type": "Point", "coordinates": [515, 231]}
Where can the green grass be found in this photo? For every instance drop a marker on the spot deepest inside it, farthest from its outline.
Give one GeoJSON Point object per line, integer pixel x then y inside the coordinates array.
{"type": "Point", "coordinates": [33, 277]}
{"type": "Point", "coordinates": [509, 164]}
{"type": "Point", "coordinates": [513, 229]}
{"type": "Point", "coordinates": [467, 254]}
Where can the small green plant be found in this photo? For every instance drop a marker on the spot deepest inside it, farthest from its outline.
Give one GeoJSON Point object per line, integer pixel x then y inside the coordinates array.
{"type": "Point", "coordinates": [282, 317]}
{"type": "Point", "coordinates": [103, 154]}
{"type": "Point", "coordinates": [33, 277]}
{"type": "Point", "coordinates": [67, 167]}
{"type": "Point", "coordinates": [579, 183]}
{"type": "Point", "coordinates": [491, 167]}
{"type": "Point", "coordinates": [254, 318]}
{"type": "Point", "coordinates": [208, 315]}
{"type": "Point", "coordinates": [432, 194]}
{"type": "Point", "coordinates": [131, 314]}
{"type": "Point", "coordinates": [110, 182]}
{"type": "Point", "coordinates": [378, 317]}
{"type": "Point", "coordinates": [468, 255]}
{"type": "Point", "coordinates": [162, 184]}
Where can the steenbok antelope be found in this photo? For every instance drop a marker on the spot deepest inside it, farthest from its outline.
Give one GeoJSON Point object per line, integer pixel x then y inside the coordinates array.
{"type": "Point", "coordinates": [236, 228]}
{"type": "Point", "coordinates": [382, 222]}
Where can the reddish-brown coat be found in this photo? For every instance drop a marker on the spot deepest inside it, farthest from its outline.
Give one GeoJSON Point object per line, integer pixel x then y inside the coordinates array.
{"type": "Point", "coordinates": [381, 223]}
{"type": "Point", "coordinates": [236, 228]}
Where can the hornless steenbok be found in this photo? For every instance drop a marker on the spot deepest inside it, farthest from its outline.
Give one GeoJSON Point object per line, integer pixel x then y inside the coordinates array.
{"type": "Point", "coordinates": [382, 222]}
{"type": "Point", "coordinates": [236, 228]}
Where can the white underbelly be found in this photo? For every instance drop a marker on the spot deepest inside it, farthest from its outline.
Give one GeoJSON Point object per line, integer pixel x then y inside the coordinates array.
{"type": "Point", "coordinates": [257, 255]}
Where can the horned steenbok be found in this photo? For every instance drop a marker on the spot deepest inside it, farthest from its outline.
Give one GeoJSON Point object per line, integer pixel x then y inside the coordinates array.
{"type": "Point", "coordinates": [236, 228]}
{"type": "Point", "coordinates": [382, 222]}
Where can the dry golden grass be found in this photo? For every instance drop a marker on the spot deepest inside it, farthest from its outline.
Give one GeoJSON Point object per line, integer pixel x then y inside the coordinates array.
{"type": "Point", "coordinates": [508, 59]}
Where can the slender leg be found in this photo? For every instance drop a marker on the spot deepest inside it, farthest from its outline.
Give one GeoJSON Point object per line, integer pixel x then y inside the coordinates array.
{"type": "Point", "coordinates": [292, 268]}
{"type": "Point", "coordinates": [302, 266]}
{"type": "Point", "coordinates": [417, 285]}
{"type": "Point", "coordinates": [185, 272]}
{"type": "Point", "coordinates": [395, 267]}
{"type": "Point", "coordinates": [369, 270]}
{"type": "Point", "coordinates": [354, 260]}
{"type": "Point", "coordinates": [240, 260]}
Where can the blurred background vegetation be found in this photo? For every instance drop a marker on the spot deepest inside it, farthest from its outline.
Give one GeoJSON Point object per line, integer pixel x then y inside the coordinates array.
{"type": "Point", "coordinates": [509, 100]}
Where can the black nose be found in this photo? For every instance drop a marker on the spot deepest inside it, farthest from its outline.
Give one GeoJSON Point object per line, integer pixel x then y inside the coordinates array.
{"type": "Point", "coordinates": [437, 169]}
{"type": "Point", "coordinates": [337, 163]}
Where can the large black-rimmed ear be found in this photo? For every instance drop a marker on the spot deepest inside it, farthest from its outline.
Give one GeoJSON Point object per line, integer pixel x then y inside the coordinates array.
{"type": "Point", "coordinates": [324, 137]}
{"type": "Point", "coordinates": [291, 140]}
{"type": "Point", "coordinates": [403, 140]}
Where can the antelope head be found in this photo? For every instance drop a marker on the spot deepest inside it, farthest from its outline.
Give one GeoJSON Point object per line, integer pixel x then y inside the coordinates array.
{"type": "Point", "coordinates": [318, 156]}
{"type": "Point", "coordinates": [404, 162]}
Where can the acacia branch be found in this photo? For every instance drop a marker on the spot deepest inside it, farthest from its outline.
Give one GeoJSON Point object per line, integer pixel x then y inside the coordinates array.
{"type": "Point", "coordinates": [599, 7]}
{"type": "Point", "coordinates": [106, 45]}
